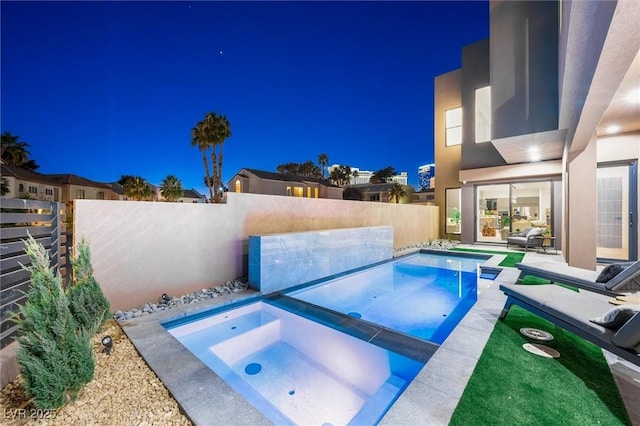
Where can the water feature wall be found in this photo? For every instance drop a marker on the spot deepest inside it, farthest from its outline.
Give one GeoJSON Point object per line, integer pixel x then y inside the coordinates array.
{"type": "Point", "coordinates": [281, 261]}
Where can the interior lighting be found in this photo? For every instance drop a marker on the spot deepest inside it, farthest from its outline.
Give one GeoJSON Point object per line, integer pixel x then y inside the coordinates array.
{"type": "Point", "coordinates": [614, 128]}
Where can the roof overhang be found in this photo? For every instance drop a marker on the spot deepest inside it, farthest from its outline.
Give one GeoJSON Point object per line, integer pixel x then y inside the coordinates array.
{"type": "Point", "coordinates": [531, 147]}
{"type": "Point", "coordinates": [541, 169]}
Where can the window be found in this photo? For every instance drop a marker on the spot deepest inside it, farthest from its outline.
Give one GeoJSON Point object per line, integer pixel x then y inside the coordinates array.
{"type": "Point", "coordinates": [316, 192]}
{"type": "Point", "coordinates": [308, 192]}
{"type": "Point", "coordinates": [33, 189]}
{"type": "Point", "coordinates": [20, 187]}
{"type": "Point", "coordinates": [238, 187]}
{"type": "Point", "coordinates": [100, 195]}
{"type": "Point", "coordinates": [288, 191]}
{"type": "Point", "coordinates": [453, 203]}
{"type": "Point", "coordinates": [80, 194]}
{"type": "Point", "coordinates": [453, 124]}
{"type": "Point", "coordinates": [48, 191]}
{"type": "Point", "coordinates": [298, 191]}
{"type": "Point", "coordinates": [483, 114]}
{"type": "Point", "coordinates": [374, 197]}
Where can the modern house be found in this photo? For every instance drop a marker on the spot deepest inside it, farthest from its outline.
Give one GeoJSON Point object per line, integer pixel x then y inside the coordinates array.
{"type": "Point", "coordinates": [361, 177]}
{"type": "Point", "coordinates": [262, 182]}
{"type": "Point", "coordinates": [524, 132]}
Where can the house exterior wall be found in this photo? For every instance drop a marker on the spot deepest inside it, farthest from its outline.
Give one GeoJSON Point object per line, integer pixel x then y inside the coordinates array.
{"type": "Point", "coordinates": [475, 75]}
{"type": "Point", "coordinates": [140, 250]}
{"type": "Point", "coordinates": [524, 67]}
{"type": "Point", "coordinates": [41, 188]}
{"type": "Point", "coordinates": [447, 95]}
{"type": "Point", "coordinates": [250, 183]}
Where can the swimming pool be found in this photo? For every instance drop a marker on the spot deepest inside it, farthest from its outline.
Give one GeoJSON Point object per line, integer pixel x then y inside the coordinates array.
{"type": "Point", "coordinates": [424, 295]}
{"type": "Point", "coordinates": [294, 370]}
{"type": "Point", "coordinates": [340, 351]}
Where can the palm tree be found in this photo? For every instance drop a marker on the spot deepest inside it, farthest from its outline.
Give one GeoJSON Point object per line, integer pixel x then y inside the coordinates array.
{"type": "Point", "coordinates": [137, 188]}
{"type": "Point", "coordinates": [218, 129]}
{"type": "Point", "coordinates": [396, 191]}
{"type": "Point", "coordinates": [171, 188]}
{"type": "Point", "coordinates": [323, 160]}
{"type": "Point", "coordinates": [199, 139]}
{"type": "Point", "coordinates": [14, 152]}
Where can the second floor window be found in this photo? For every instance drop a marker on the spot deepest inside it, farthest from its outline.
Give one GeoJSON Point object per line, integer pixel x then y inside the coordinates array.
{"type": "Point", "coordinates": [100, 195]}
{"type": "Point", "coordinates": [453, 124]}
{"type": "Point", "coordinates": [483, 114]}
{"type": "Point", "coordinates": [48, 191]}
{"type": "Point", "coordinates": [33, 189]}
{"type": "Point", "coordinates": [80, 194]}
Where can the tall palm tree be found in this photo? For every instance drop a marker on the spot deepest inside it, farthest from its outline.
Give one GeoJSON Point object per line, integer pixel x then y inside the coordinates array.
{"type": "Point", "coordinates": [171, 188]}
{"type": "Point", "coordinates": [218, 129]}
{"type": "Point", "coordinates": [199, 139]}
{"type": "Point", "coordinates": [323, 160]}
{"type": "Point", "coordinates": [396, 191]}
{"type": "Point", "coordinates": [137, 188]}
{"type": "Point", "coordinates": [14, 152]}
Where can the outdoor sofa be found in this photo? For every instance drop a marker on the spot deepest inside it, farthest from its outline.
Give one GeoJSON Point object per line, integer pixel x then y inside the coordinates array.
{"type": "Point", "coordinates": [574, 311]}
{"type": "Point", "coordinates": [529, 237]}
{"type": "Point", "coordinates": [615, 279]}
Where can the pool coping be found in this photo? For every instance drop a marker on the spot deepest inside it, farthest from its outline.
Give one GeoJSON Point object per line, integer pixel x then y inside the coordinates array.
{"type": "Point", "coordinates": [206, 399]}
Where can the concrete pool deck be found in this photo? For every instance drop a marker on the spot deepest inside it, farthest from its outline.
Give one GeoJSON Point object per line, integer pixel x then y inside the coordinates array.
{"type": "Point", "coordinates": [429, 400]}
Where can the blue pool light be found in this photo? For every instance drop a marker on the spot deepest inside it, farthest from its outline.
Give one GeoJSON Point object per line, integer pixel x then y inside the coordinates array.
{"type": "Point", "coordinates": [253, 368]}
{"type": "Point", "coordinates": [355, 314]}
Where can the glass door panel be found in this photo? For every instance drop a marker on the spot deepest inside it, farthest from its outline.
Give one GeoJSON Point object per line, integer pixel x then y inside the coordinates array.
{"type": "Point", "coordinates": [612, 217]}
{"type": "Point", "coordinates": [493, 206]}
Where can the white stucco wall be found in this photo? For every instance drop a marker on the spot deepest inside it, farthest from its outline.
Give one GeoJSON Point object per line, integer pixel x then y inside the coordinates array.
{"type": "Point", "coordinates": [142, 249]}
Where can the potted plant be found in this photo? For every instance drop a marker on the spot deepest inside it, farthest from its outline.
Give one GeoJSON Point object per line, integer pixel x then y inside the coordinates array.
{"type": "Point", "coordinates": [454, 218]}
{"type": "Point", "coordinates": [504, 232]}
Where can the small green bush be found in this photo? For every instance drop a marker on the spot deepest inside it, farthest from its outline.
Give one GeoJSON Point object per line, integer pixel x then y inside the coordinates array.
{"type": "Point", "coordinates": [54, 353]}
{"type": "Point", "coordinates": [87, 302]}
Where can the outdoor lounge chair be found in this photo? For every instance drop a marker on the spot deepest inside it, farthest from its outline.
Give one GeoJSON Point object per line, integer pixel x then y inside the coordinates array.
{"type": "Point", "coordinates": [529, 237]}
{"type": "Point", "coordinates": [573, 311]}
{"type": "Point", "coordinates": [626, 281]}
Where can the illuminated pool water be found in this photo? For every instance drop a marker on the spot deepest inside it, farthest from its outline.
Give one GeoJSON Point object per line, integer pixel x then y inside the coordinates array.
{"type": "Point", "coordinates": [423, 295]}
{"type": "Point", "coordinates": [294, 370]}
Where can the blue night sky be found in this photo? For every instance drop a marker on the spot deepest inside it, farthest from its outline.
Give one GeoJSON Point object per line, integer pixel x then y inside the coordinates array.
{"type": "Point", "coordinates": [103, 89]}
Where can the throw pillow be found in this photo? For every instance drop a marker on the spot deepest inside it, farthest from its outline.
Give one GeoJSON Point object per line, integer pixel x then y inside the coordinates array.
{"type": "Point", "coordinates": [609, 272]}
{"type": "Point", "coordinates": [534, 232]}
{"type": "Point", "coordinates": [616, 317]}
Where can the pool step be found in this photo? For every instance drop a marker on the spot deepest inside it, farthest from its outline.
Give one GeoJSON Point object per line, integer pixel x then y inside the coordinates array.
{"type": "Point", "coordinates": [237, 347]}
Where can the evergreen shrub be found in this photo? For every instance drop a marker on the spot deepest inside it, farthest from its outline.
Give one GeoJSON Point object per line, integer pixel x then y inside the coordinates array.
{"type": "Point", "coordinates": [87, 302]}
{"type": "Point", "coordinates": [54, 352]}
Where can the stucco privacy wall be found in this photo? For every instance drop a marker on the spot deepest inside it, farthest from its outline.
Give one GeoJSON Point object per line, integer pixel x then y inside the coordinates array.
{"type": "Point", "coordinates": [140, 250]}
{"type": "Point", "coordinates": [281, 261]}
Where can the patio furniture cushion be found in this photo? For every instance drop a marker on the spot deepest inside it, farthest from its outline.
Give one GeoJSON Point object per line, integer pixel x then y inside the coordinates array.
{"type": "Point", "coordinates": [617, 317]}
{"type": "Point", "coordinates": [609, 272]}
{"type": "Point", "coordinates": [628, 336]}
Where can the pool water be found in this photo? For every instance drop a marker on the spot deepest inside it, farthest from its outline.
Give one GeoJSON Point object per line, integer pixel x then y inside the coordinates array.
{"type": "Point", "coordinates": [423, 295]}
{"type": "Point", "coordinates": [340, 351]}
{"type": "Point", "coordinates": [294, 370]}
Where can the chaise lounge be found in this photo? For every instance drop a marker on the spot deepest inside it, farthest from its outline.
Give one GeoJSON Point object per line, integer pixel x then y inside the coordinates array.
{"type": "Point", "coordinates": [626, 280]}
{"type": "Point", "coordinates": [529, 237]}
{"type": "Point", "coordinates": [574, 311]}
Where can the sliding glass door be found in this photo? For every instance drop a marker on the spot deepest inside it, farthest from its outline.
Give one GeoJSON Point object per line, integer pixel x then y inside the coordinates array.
{"type": "Point", "coordinates": [512, 207]}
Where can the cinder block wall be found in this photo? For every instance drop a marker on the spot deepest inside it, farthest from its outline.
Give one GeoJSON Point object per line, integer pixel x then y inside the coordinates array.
{"type": "Point", "coordinates": [140, 249]}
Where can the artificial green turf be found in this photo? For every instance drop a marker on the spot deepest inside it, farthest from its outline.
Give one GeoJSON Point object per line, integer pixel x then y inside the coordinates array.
{"type": "Point", "coordinates": [511, 386]}
{"type": "Point", "coordinates": [510, 260]}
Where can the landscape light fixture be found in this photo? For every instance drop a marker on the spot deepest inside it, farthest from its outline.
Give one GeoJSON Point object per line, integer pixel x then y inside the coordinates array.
{"type": "Point", "coordinates": [107, 342]}
{"type": "Point", "coordinates": [165, 298]}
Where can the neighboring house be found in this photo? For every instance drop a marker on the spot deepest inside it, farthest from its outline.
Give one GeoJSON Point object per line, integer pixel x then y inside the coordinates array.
{"type": "Point", "coordinates": [78, 188]}
{"type": "Point", "coordinates": [426, 196]}
{"type": "Point", "coordinates": [521, 130]}
{"type": "Point", "coordinates": [23, 183]}
{"type": "Point", "coordinates": [376, 192]}
{"type": "Point", "coordinates": [192, 196]}
{"type": "Point", "coordinates": [262, 182]}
